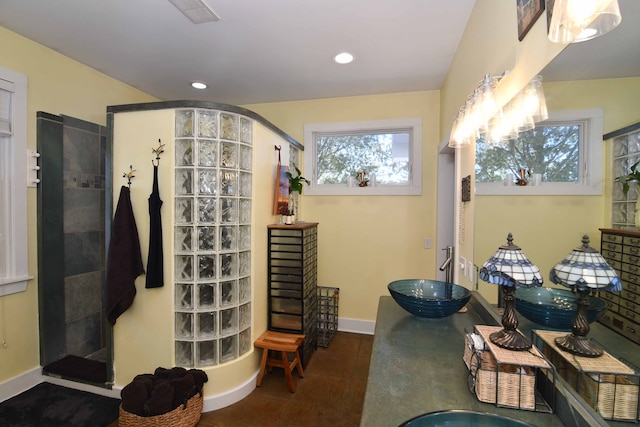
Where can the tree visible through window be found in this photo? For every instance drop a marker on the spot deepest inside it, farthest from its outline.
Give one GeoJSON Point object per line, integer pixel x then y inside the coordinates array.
{"type": "Point", "coordinates": [553, 150]}
{"type": "Point", "coordinates": [384, 155]}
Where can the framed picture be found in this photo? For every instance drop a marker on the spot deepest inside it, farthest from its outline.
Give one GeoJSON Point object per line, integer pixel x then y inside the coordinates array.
{"type": "Point", "coordinates": [528, 12]}
{"type": "Point", "coordinates": [549, 6]}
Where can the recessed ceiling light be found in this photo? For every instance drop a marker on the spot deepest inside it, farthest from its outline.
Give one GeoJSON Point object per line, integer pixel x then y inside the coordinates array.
{"type": "Point", "coordinates": [343, 58]}
{"type": "Point", "coordinates": [198, 85]}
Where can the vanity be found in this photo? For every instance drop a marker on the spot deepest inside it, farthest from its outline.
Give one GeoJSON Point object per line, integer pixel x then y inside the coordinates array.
{"type": "Point", "coordinates": [417, 367]}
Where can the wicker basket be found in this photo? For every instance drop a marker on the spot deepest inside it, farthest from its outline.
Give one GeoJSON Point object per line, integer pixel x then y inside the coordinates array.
{"type": "Point", "coordinates": [615, 395]}
{"type": "Point", "coordinates": [180, 417]}
{"type": "Point", "coordinates": [515, 384]}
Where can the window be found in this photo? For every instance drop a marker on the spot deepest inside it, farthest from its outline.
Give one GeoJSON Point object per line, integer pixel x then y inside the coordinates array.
{"type": "Point", "coordinates": [626, 152]}
{"type": "Point", "coordinates": [388, 151]}
{"type": "Point", "coordinates": [13, 182]}
{"type": "Point", "coordinates": [565, 150]}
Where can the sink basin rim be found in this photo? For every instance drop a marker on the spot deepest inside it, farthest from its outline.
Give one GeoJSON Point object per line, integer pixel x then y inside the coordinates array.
{"type": "Point", "coordinates": [486, 416]}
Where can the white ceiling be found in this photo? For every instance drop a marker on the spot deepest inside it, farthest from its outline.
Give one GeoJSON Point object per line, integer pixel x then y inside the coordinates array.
{"type": "Point", "coordinates": [281, 50]}
{"type": "Point", "coordinates": [259, 50]}
{"type": "Point", "coordinates": [616, 54]}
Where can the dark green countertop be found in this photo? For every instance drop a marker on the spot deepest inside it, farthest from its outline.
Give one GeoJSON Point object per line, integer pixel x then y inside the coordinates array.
{"type": "Point", "coordinates": [417, 367]}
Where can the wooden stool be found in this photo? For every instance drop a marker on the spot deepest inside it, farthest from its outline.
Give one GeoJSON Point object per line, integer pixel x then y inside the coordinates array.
{"type": "Point", "coordinates": [283, 343]}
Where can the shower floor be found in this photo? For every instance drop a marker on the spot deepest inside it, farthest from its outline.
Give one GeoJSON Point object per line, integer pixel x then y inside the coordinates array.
{"type": "Point", "coordinates": [78, 368]}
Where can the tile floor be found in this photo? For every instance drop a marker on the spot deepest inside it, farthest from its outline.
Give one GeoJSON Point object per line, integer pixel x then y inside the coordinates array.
{"type": "Point", "coordinates": [330, 394]}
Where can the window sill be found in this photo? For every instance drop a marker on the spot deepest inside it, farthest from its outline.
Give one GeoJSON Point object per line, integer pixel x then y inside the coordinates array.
{"type": "Point", "coordinates": [343, 190]}
{"type": "Point", "coordinates": [14, 285]}
{"type": "Point", "coordinates": [548, 189]}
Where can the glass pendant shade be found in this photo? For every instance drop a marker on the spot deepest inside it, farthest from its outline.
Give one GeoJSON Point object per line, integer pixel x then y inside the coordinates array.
{"type": "Point", "coordinates": [574, 21]}
{"type": "Point", "coordinates": [584, 271]}
{"type": "Point", "coordinates": [509, 267]}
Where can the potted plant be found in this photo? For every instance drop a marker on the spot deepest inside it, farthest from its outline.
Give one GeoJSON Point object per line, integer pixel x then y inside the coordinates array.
{"type": "Point", "coordinates": [295, 186]}
{"type": "Point", "coordinates": [625, 180]}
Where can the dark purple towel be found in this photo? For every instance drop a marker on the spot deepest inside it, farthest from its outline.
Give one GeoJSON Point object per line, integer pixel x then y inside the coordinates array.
{"type": "Point", "coordinates": [155, 278]}
{"type": "Point", "coordinates": [124, 262]}
{"type": "Point", "coordinates": [134, 396]}
{"type": "Point", "coordinates": [161, 399]}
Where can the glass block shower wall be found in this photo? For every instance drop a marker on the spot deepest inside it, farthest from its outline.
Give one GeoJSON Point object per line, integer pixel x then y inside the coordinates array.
{"type": "Point", "coordinates": [212, 236]}
{"type": "Point", "coordinates": [626, 152]}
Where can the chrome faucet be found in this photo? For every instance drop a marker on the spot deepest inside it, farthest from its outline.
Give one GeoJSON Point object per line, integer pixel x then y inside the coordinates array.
{"type": "Point", "coordinates": [446, 265]}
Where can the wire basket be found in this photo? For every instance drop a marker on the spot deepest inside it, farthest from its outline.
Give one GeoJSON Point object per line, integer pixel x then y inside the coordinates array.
{"type": "Point", "coordinates": [327, 314]}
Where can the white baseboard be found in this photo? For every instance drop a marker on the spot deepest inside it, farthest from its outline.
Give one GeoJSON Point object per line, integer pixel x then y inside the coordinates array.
{"type": "Point", "coordinates": [357, 326]}
{"type": "Point", "coordinates": [113, 392]}
{"type": "Point", "coordinates": [20, 383]}
{"type": "Point", "coordinates": [222, 400]}
{"type": "Point", "coordinates": [33, 377]}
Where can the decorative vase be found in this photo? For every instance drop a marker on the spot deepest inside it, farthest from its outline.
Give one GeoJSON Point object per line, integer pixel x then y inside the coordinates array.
{"type": "Point", "coordinates": [293, 205]}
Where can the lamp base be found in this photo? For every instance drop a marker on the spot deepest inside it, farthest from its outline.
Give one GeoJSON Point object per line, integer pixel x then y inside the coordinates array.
{"type": "Point", "coordinates": [579, 345]}
{"type": "Point", "coordinates": [510, 339]}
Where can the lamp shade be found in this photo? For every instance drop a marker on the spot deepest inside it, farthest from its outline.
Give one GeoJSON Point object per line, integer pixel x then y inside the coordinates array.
{"type": "Point", "coordinates": [585, 269]}
{"type": "Point", "coordinates": [580, 20]}
{"type": "Point", "coordinates": [509, 266]}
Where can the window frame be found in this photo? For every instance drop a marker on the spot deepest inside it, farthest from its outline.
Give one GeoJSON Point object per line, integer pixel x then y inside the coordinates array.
{"type": "Point", "coordinates": [412, 125]}
{"type": "Point", "coordinates": [591, 159]}
{"type": "Point", "coordinates": [17, 274]}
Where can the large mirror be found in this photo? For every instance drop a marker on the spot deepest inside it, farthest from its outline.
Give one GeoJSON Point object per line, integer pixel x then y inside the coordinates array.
{"type": "Point", "coordinates": [604, 74]}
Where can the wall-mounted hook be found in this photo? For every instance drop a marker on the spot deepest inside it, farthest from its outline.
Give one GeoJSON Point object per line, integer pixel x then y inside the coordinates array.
{"type": "Point", "coordinates": [157, 152]}
{"type": "Point", "coordinates": [129, 175]}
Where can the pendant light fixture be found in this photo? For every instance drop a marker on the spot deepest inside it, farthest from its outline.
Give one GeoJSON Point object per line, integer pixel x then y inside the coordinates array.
{"type": "Point", "coordinates": [575, 21]}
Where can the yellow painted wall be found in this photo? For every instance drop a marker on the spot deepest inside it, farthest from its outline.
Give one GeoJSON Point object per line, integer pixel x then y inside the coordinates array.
{"type": "Point", "coordinates": [489, 46]}
{"type": "Point", "coordinates": [549, 227]}
{"type": "Point", "coordinates": [57, 85]}
{"type": "Point", "coordinates": [366, 242]}
{"type": "Point", "coordinates": [144, 334]}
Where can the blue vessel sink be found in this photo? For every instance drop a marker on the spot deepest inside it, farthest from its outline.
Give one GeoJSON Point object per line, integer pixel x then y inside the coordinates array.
{"type": "Point", "coordinates": [459, 418]}
{"type": "Point", "coordinates": [429, 298]}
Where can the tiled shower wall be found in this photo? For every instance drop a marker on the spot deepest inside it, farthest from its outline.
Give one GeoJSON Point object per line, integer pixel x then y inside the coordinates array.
{"type": "Point", "coordinates": [72, 206]}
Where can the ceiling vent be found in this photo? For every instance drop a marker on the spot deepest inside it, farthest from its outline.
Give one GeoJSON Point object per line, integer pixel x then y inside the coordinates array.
{"type": "Point", "coordinates": [196, 10]}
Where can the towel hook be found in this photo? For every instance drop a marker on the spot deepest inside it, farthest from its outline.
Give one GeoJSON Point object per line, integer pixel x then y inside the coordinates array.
{"type": "Point", "coordinates": [157, 152]}
{"type": "Point", "coordinates": [129, 175]}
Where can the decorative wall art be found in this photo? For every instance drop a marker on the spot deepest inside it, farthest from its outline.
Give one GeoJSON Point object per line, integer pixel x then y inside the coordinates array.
{"type": "Point", "coordinates": [281, 190]}
{"type": "Point", "coordinates": [528, 13]}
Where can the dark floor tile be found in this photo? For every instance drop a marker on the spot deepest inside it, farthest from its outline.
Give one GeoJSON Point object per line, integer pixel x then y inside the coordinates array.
{"type": "Point", "coordinates": [345, 342]}
{"type": "Point", "coordinates": [330, 394]}
{"type": "Point", "coordinates": [366, 346]}
{"type": "Point", "coordinates": [253, 410]}
{"type": "Point", "coordinates": [311, 414]}
{"type": "Point", "coordinates": [332, 364]}
{"type": "Point", "coordinates": [361, 368]}
{"type": "Point", "coordinates": [328, 391]}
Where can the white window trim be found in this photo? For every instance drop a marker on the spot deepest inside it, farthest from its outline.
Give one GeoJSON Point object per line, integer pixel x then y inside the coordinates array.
{"type": "Point", "coordinates": [413, 189]}
{"type": "Point", "coordinates": [592, 164]}
{"type": "Point", "coordinates": [18, 265]}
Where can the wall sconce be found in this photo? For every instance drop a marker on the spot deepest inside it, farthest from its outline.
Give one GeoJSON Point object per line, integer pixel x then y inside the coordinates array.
{"type": "Point", "coordinates": [575, 21]}
{"type": "Point", "coordinates": [509, 267]}
{"type": "Point", "coordinates": [584, 270]}
{"type": "Point", "coordinates": [481, 115]}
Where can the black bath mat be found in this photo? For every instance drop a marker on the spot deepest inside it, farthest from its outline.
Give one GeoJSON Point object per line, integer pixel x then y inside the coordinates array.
{"type": "Point", "coordinates": [79, 368]}
{"type": "Point", "coordinates": [50, 405]}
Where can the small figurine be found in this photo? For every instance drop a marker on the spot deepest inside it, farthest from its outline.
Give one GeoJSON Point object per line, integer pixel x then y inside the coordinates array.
{"type": "Point", "coordinates": [524, 177]}
{"type": "Point", "coordinates": [364, 181]}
